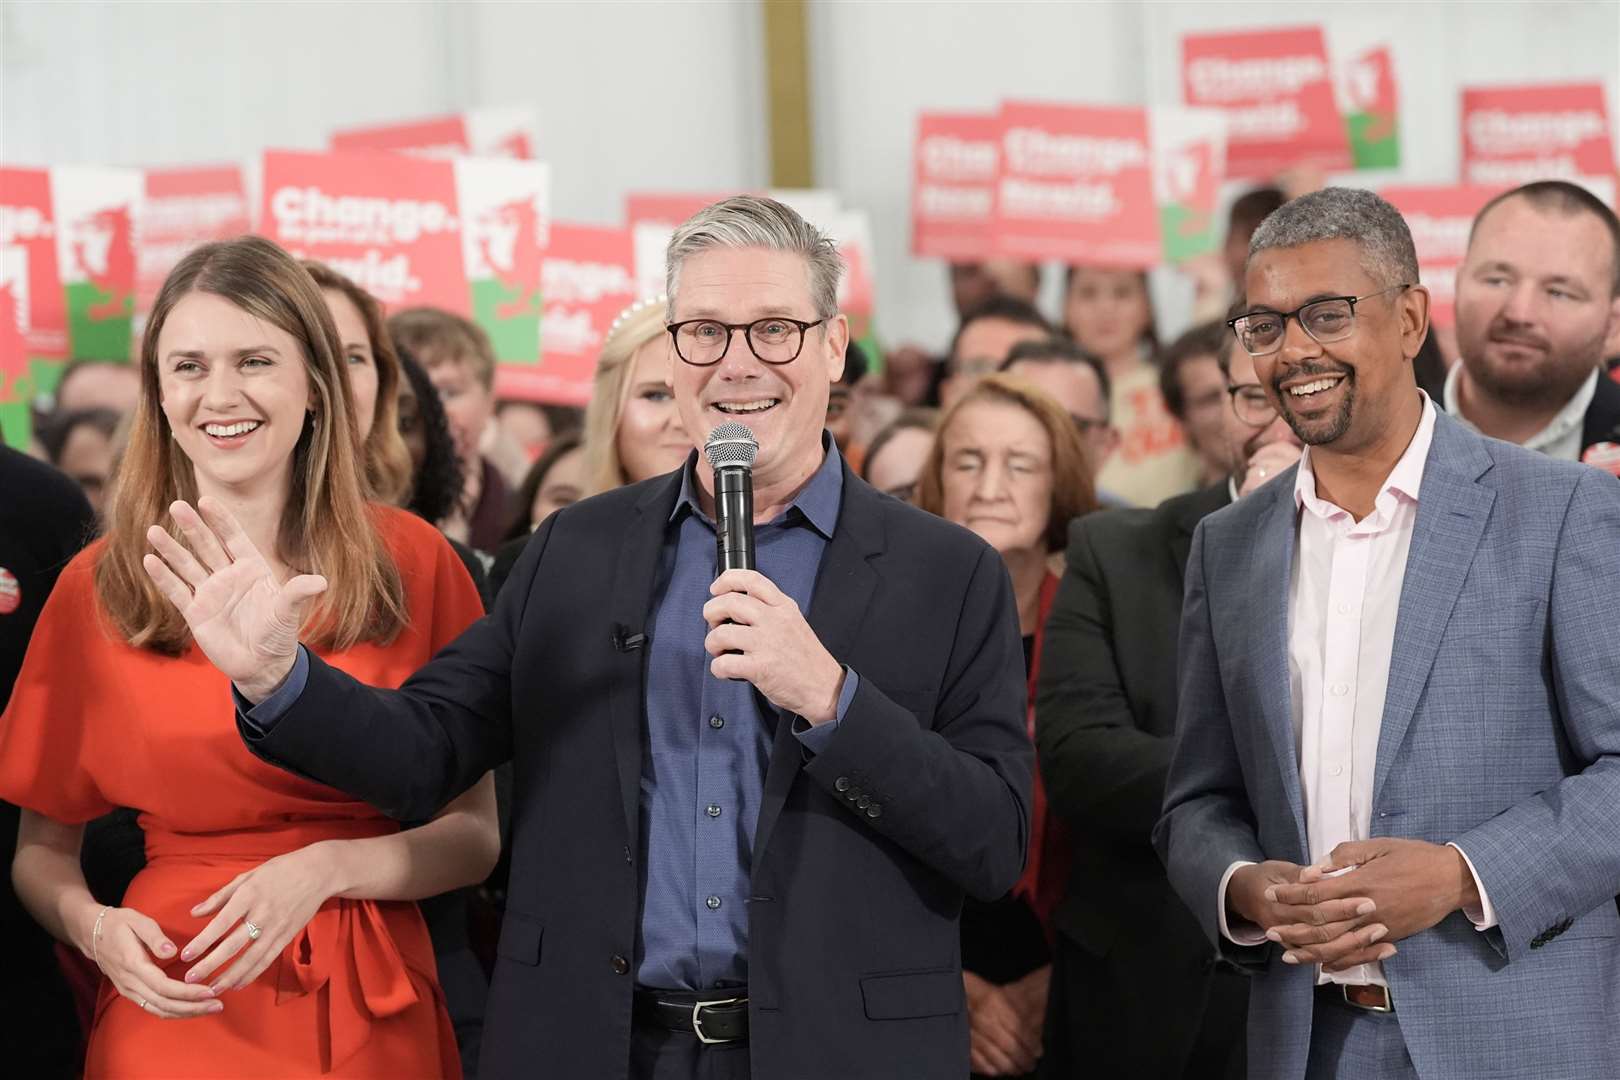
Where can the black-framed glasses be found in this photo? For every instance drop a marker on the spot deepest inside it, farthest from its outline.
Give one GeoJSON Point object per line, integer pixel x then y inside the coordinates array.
{"type": "Point", "coordinates": [1327, 320]}
{"type": "Point", "coordinates": [775, 340]}
{"type": "Point", "coordinates": [1250, 403]}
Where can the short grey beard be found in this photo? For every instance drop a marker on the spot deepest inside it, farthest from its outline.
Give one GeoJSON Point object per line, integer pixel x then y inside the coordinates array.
{"type": "Point", "coordinates": [1340, 423]}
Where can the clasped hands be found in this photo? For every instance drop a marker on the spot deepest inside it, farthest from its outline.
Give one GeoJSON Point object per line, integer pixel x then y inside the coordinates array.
{"type": "Point", "coordinates": [1350, 908]}
{"type": "Point", "coordinates": [757, 633]}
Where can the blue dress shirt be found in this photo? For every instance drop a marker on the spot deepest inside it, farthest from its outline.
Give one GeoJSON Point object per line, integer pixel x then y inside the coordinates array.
{"type": "Point", "coordinates": [708, 740]}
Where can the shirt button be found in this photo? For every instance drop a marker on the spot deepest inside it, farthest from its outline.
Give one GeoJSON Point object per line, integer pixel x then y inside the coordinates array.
{"type": "Point", "coordinates": [620, 965]}
{"type": "Point", "coordinates": [717, 721]}
{"type": "Point", "coordinates": [1344, 609]}
{"type": "Point", "coordinates": [1338, 770]}
{"type": "Point", "coordinates": [842, 783]}
{"type": "Point", "coordinates": [1340, 689]}
{"type": "Point", "coordinates": [713, 902]}
{"type": "Point", "coordinates": [714, 810]}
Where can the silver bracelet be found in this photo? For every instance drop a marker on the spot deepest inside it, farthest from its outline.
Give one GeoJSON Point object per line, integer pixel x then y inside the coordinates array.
{"type": "Point", "coordinates": [95, 936]}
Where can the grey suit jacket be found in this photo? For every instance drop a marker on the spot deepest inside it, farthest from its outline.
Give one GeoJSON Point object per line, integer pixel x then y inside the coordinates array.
{"type": "Point", "coordinates": [1501, 732]}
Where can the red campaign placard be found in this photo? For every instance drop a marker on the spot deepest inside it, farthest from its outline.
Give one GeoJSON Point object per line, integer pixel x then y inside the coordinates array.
{"type": "Point", "coordinates": [182, 209]}
{"type": "Point", "coordinates": [587, 277]}
{"type": "Point", "coordinates": [1512, 135]}
{"type": "Point", "coordinates": [953, 193]}
{"type": "Point", "coordinates": [1276, 88]}
{"type": "Point", "coordinates": [1076, 184]}
{"type": "Point", "coordinates": [389, 223]}
{"type": "Point", "coordinates": [1440, 218]}
{"type": "Point", "coordinates": [665, 208]}
{"type": "Point", "coordinates": [30, 282]}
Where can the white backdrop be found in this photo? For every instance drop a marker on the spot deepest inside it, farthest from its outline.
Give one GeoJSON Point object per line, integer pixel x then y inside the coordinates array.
{"type": "Point", "coordinates": [670, 95]}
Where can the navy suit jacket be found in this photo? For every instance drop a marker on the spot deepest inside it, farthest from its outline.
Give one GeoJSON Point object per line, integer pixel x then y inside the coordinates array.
{"type": "Point", "coordinates": [862, 853]}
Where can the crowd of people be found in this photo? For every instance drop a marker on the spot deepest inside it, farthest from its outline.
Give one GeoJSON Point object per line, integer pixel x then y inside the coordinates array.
{"type": "Point", "coordinates": [290, 493]}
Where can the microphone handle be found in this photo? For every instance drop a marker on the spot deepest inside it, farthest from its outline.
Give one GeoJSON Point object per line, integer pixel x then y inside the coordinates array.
{"type": "Point", "coordinates": [734, 518]}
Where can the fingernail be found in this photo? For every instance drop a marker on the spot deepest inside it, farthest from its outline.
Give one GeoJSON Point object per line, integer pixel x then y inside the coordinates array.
{"type": "Point", "coordinates": [192, 976]}
{"type": "Point", "coordinates": [1377, 934]}
{"type": "Point", "coordinates": [216, 1007]}
{"type": "Point", "coordinates": [216, 988]}
{"type": "Point", "coordinates": [1272, 935]}
{"type": "Point", "coordinates": [1271, 896]}
{"type": "Point", "coordinates": [1388, 951]}
{"type": "Point", "coordinates": [166, 949]}
{"type": "Point", "coordinates": [1290, 958]}
{"type": "Point", "coordinates": [1367, 908]}
{"type": "Point", "coordinates": [186, 955]}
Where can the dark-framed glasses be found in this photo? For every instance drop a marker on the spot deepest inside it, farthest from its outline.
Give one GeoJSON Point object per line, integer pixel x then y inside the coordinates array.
{"type": "Point", "coordinates": [1327, 320]}
{"type": "Point", "coordinates": [1250, 403]}
{"type": "Point", "coordinates": [775, 340]}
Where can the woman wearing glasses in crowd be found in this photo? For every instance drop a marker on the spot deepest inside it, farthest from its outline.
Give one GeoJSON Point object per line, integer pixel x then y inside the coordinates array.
{"type": "Point", "coordinates": [1109, 313]}
{"type": "Point", "coordinates": [1009, 464]}
{"type": "Point", "coordinates": [274, 914]}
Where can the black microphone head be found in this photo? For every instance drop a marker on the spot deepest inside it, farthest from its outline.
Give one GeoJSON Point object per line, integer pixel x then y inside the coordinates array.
{"type": "Point", "coordinates": [731, 444]}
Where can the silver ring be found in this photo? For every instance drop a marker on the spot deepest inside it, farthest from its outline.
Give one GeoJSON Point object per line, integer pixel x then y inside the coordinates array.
{"type": "Point", "coordinates": [1262, 473]}
{"type": "Point", "coordinates": [141, 1003]}
{"type": "Point", "coordinates": [253, 931]}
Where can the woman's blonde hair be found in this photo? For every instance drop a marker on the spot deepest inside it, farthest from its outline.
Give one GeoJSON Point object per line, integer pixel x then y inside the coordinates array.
{"type": "Point", "coordinates": [327, 526]}
{"type": "Point", "coordinates": [638, 324]}
{"type": "Point", "coordinates": [388, 460]}
{"type": "Point", "coordinates": [1072, 491]}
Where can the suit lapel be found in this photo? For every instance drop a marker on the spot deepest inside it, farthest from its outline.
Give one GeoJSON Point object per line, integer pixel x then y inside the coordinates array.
{"type": "Point", "coordinates": [845, 585]}
{"type": "Point", "coordinates": [628, 606]}
{"type": "Point", "coordinates": [1271, 574]}
{"type": "Point", "coordinates": [1194, 509]}
{"type": "Point", "coordinates": [1452, 511]}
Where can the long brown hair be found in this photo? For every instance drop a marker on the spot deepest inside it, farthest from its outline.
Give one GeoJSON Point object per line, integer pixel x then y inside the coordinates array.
{"type": "Point", "coordinates": [327, 526]}
{"type": "Point", "coordinates": [1072, 491]}
{"type": "Point", "coordinates": [388, 461]}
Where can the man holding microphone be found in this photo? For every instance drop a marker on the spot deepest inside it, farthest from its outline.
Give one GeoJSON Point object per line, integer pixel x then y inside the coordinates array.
{"type": "Point", "coordinates": [747, 807]}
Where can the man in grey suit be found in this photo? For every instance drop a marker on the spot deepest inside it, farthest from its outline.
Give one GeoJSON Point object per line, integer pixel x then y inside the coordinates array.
{"type": "Point", "coordinates": [1395, 794]}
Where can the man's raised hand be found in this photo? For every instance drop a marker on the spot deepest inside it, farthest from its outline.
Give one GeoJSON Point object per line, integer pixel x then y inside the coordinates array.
{"type": "Point", "coordinates": [244, 620]}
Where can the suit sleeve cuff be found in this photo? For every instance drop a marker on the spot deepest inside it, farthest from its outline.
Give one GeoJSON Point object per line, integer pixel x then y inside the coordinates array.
{"type": "Point", "coordinates": [815, 739]}
{"type": "Point", "coordinates": [1243, 934]}
{"type": "Point", "coordinates": [259, 719]}
{"type": "Point", "coordinates": [1484, 916]}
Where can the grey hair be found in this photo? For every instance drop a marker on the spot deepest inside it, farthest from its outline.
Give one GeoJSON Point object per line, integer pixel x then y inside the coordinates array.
{"type": "Point", "coordinates": [753, 221]}
{"type": "Point", "coordinates": [1339, 213]}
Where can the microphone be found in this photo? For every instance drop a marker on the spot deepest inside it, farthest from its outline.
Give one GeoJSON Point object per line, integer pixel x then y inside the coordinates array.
{"type": "Point", "coordinates": [731, 449]}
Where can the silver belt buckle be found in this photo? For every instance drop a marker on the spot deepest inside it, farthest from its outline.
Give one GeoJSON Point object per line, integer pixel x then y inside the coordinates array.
{"type": "Point", "coordinates": [697, 1024]}
{"type": "Point", "coordinates": [1387, 1007]}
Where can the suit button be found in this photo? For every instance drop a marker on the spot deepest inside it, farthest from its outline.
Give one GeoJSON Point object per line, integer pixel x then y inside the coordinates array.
{"type": "Point", "coordinates": [842, 783]}
{"type": "Point", "coordinates": [874, 810]}
{"type": "Point", "coordinates": [627, 858]}
{"type": "Point", "coordinates": [864, 801]}
{"type": "Point", "coordinates": [852, 794]}
{"type": "Point", "coordinates": [621, 966]}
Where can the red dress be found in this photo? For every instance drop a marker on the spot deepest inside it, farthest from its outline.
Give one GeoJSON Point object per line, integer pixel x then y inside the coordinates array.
{"type": "Point", "coordinates": [95, 724]}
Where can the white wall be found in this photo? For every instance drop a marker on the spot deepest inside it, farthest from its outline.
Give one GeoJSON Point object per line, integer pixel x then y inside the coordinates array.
{"type": "Point", "coordinates": [630, 96]}
{"type": "Point", "coordinates": [669, 95]}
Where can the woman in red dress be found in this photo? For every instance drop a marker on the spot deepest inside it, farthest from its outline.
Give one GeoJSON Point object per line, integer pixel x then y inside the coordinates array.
{"type": "Point", "coordinates": [273, 931]}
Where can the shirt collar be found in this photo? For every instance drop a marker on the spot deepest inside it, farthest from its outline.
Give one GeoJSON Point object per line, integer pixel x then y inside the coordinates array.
{"type": "Point", "coordinates": [1570, 417]}
{"type": "Point", "coordinates": [1403, 480]}
{"type": "Point", "coordinates": [817, 501]}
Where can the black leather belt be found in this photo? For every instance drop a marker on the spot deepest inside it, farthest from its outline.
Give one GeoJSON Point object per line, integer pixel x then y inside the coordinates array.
{"type": "Point", "coordinates": [718, 1016]}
